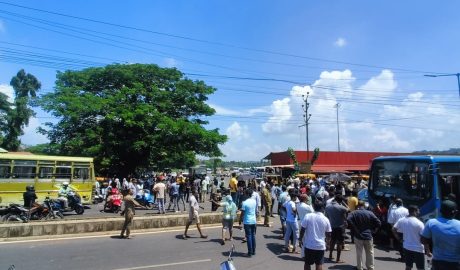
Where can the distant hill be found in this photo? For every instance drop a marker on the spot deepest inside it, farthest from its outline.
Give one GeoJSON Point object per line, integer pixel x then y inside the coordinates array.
{"type": "Point", "coordinates": [452, 151]}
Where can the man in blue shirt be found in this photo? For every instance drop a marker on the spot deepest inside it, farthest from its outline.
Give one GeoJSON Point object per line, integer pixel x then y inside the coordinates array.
{"type": "Point", "coordinates": [248, 216]}
{"type": "Point", "coordinates": [444, 233]}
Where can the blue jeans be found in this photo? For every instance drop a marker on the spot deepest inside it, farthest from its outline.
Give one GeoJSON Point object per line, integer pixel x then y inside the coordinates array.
{"type": "Point", "coordinates": [292, 232]}
{"type": "Point", "coordinates": [161, 205]}
{"type": "Point", "coordinates": [250, 231]}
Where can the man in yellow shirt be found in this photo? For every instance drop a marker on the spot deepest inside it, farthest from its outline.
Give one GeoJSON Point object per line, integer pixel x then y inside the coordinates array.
{"type": "Point", "coordinates": [233, 188]}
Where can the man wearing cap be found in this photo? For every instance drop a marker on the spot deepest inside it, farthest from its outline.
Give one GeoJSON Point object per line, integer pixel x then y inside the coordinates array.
{"type": "Point", "coordinates": [444, 233]}
{"type": "Point", "coordinates": [228, 216]}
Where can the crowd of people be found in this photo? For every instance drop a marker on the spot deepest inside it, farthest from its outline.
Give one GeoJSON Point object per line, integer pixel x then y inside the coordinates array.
{"type": "Point", "coordinates": [315, 216]}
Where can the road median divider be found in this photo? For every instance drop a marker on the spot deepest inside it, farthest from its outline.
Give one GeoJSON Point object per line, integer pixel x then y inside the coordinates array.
{"type": "Point", "coordinates": [72, 227]}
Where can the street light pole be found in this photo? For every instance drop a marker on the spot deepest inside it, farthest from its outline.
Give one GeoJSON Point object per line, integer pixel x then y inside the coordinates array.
{"type": "Point", "coordinates": [338, 130]}
{"type": "Point", "coordinates": [446, 75]}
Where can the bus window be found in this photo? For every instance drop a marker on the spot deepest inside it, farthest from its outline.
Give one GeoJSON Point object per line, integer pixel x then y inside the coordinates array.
{"type": "Point", "coordinates": [5, 169]}
{"type": "Point", "coordinates": [63, 170]}
{"type": "Point", "coordinates": [24, 169]}
{"type": "Point", "coordinates": [81, 174]}
{"type": "Point", "coordinates": [45, 172]}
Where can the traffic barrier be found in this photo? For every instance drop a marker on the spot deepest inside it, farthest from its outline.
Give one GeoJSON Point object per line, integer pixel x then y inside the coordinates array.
{"type": "Point", "coordinates": [63, 227]}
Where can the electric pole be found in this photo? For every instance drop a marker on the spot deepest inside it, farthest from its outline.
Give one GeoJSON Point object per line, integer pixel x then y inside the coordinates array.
{"type": "Point", "coordinates": [338, 130]}
{"type": "Point", "coordinates": [307, 118]}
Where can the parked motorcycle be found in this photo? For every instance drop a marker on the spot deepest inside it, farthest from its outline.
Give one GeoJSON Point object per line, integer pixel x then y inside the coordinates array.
{"type": "Point", "coordinates": [15, 213]}
{"type": "Point", "coordinates": [146, 199]}
{"type": "Point", "coordinates": [73, 204]}
{"type": "Point", "coordinates": [45, 211]}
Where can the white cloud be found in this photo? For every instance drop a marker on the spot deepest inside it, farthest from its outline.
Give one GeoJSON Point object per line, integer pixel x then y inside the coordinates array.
{"type": "Point", "coordinates": [281, 113]}
{"type": "Point", "coordinates": [340, 42]}
{"type": "Point", "coordinates": [171, 62]}
{"type": "Point", "coordinates": [7, 90]}
{"type": "Point", "coordinates": [380, 86]}
{"type": "Point", "coordinates": [237, 132]}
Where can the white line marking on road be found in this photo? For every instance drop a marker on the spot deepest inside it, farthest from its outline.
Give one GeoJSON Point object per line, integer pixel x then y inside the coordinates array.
{"type": "Point", "coordinates": [162, 265]}
{"type": "Point", "coordinates": [99, 236]}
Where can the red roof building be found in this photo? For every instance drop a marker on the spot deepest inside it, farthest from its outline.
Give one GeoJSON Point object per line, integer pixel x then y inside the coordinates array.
{"type": "Point", "coordinates": [329, 162]}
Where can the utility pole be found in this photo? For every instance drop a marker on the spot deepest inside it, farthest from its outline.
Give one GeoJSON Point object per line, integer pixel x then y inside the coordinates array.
{"type": "Point", "coordinates": [307, 118]}
{"type": "Point", "coordinates": [445, 75]}
{"type": "Point", "coordinates": [338, 130]}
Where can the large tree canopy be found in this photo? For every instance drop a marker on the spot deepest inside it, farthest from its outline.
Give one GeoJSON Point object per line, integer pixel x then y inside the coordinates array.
{"type": "Point", "coordinates": [131, 116]}
{"type": "Point", "coordinates": [15, 118]}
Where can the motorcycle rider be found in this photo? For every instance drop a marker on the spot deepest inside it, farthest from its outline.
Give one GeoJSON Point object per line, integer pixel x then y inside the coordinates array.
{"type": "Point", "coordinates": [63, 192]}
{"type": "Point", "coordinates": [29, 196]}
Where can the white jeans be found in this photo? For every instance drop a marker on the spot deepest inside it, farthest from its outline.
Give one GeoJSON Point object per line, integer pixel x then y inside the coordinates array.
{"type": "Point", "coordinates": [368, 246]}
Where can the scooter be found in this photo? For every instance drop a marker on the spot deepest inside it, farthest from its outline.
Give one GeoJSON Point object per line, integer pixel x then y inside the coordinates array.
{"type": "Point", "coordinates": [15, 213]}
{"type": "Point", "coordinates": [113, 203]}
{"type": "Point", "coordinates": [146, 199]}
{"type": "Point", "coordinates": [74, 204]}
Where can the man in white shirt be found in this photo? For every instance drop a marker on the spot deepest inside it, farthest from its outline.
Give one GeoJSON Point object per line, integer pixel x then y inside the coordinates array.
{"type": "Point", "coordinates": [411, 228]}
{"type": "Point", "coordinates": [317, 230]}
{"type": "Point", "coordinates": [398, 212]}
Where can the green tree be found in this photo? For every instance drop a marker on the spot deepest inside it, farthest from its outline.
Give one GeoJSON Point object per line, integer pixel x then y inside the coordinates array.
{"type": "Point", "coordinates": [131, 117]}
{"type": "Point", "coordinates": [17, 117]}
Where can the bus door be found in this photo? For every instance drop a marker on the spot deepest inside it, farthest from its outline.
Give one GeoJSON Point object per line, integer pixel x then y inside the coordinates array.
{"type": "Point", "coordinates": [81, 180]}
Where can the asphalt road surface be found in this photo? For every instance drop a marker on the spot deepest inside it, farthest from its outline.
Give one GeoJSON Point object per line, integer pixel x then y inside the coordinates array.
{"type": "Point", "coordinates": [165, 250]}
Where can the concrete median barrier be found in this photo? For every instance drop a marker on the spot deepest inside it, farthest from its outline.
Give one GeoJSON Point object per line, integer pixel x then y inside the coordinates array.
{"type": "Point", "coordinates": [63, 227]}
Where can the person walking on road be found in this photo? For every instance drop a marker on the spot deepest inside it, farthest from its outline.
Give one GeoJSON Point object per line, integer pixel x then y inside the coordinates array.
{"type": "Point", "coordinates": [337, 215]}
{"type": "Point", "coordinates": [363, 223]}
{"type": "Point", "coordinates": [444, 233]}
{"type": "Point", "coordinates": [193, 215]}
{"type": "Point", "coordinates": [248, 216]}
{"type": "Point", "coordinates": [129, 212]}
{"type": "Point", "coordinates": [317, 231]}
{"type": "Point", "coordinates": [228, 216]}
{"type": "Point", "coordinates": [411, 228]}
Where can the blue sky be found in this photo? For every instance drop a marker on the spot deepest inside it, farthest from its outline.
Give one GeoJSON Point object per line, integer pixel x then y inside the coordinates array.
{"type": "Point", "coordinates": [262, 56]}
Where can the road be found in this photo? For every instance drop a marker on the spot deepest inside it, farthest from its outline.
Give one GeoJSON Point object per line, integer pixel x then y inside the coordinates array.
{"type": "Point", "coordinates": [164, 250]}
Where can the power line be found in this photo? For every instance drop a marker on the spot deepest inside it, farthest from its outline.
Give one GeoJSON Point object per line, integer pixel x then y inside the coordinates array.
{"type": "Point", "coordinates": [216, 43]}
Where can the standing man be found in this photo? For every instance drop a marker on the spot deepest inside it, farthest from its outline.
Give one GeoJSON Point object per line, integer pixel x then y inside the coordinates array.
{"type": "Point", "coordinates": [317, 230]}
{"type": "Point", "coordinates": [193, 215]}
{"type": "Point", "coordinates": [233, 185]}
{"type": "Point", "coordinates": [267, 203]}
{"type": "Point", "coordinates": [411, 228]}
{"type": "Point", "coordinates": [337, 215]}
{"type": "Point", "coordinates": [398, 212]}
{"type": "Point", "coordinates": [204, 188]}
{"type": "Point", "coordinates": [444, 232]}
{"type": "Point", "coordinates": [159, 189]}
{"type": "Point", "coordinates": [363, 223]}
{"type": "Point", "coordinates": [128, 212]}
{"type": "Point", "coordinates": [248, 216]}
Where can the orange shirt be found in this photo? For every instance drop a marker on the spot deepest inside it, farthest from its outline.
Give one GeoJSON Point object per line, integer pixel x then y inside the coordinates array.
{"type": "Point", "coordinates": [233, 184]}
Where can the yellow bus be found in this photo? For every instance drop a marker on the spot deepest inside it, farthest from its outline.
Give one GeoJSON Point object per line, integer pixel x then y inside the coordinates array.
{"type": "Point", "coordinates": [46, 174]}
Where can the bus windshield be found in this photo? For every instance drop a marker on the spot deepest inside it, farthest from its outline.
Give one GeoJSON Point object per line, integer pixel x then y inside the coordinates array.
{"type": "Point", "coordinates": [406, 179]}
